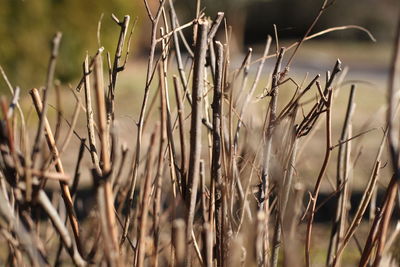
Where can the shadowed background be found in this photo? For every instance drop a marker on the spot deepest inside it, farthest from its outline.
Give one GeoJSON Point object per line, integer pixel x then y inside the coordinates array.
{"type": "Point", "coordinates": [26, 27]}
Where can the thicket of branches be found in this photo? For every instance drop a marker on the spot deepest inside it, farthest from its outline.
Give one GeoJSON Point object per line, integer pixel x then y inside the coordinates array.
{"type": "Point", "coordinates": [213, 179]}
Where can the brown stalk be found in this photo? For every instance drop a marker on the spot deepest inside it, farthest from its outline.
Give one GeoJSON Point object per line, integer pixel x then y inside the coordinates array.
{"type": "Point", "coordinates": [14, 92]}
{"type": "Point", "coordinates": [57, 131]}
{"type": "Point", "coordinates": [285, 193]}
{"type": "Point", "coordinates": [160, 168]}
{"type": "Point", "coordinates": [8, 115]}
{"type": "Point", "coordinates": [311, 118]}
{"type": "Point", "coordinates": [152, 106]}
{"type": "Point", "coordinates": [230, 185]}
{"type": "Point", "coordinates": [181, 122]}
{"type": "Point", "coordinates": [108, 208]}
{"type": "Point", "coordinates": [225, 153]}
{"type": "Point", "coordinates": [174, 170]}
{"type": "Point", "coordinates": [195, 129]}
{"type": "Point", "coordinates": [264, 202]}
{"type": "Point", "coordinates": [360, 211]}
{"type": "Point", "coordinates": [295, 101]}
{"type": "Point", "coordinates": [314, 196]}
{"type": "Point", "coordinates": [120, 46]}
{"type": "Point", "coordinates": [206, 118]}
{"type": "Point", "coordinates": [247, 191]}
{"type": "Point", "coordinates": [216, 178]}
{"type": "Point", "coordinates": [154, 25]}
{"type": "Point", "coordinates": [175, 30]}
{"type": "Point", "coordinates": [90, 68]}
{"type": "Point", "coordinates": [70, 132]}
{"type": "Point", "coordinates": [68, 136]}
{"type": "Point", "coordinates": [203, 190]}
{"type": "Point", "coordinates": [265, 176]}
{"type": "Point", "coordinates": [61, 229]}
{"type": "Point", "coordinates": [338, 230]}
{"type": "Point", "coordinates": [378, 230]}
{"type": "Point", "coordinates": [24, 236]}
{"type": "Point", "coordinates": [271, 125]}
{"type": "Point", "coordinates": [178, 55]}
{"type": "Point", "coordinates": [196, 26]}
{"type": "Point", "coordinates": [351, 138]}
{"type": "Point", "coordinates": [89, 116]}
{"type": "Point", "coordinates": [234, 183]}
{"type": "Point", "coordinates": [50, 175]}
{"type": "Point", "coordinates": [77, 175]}
{"type": "Point", "coordinates": [9, 131]}
{"type": "Point", "coordinates": [59, 167]}
{"type": "Point", "coordinates": [244, 68]}
{"type": "Point", "coordinates": [366, 198]}
{"type": "Point", "coordinates": [370, 243]}
{"type": "Point", "coordinates": [387, 214]}
{"type": "Point", "coordinates": [49, 83]}
{"type": "Point", "coordinates": [116, 68]}
{"type": "Point", "coordinates": [288, 147]}
{"type": "Point", "coordinates": [214, 27]}
{"type": "Point", "coordinates": [143, 216]}
{"type": "Point", "coordinates": [116, 182]}
{"type": "Point", "coordinates": [208, 245]}
{"type": "Point", "coordinates": [393, 148]}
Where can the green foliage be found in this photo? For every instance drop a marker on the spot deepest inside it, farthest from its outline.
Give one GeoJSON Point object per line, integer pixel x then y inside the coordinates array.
{"type": "Point", "coordinates": [27, 27]}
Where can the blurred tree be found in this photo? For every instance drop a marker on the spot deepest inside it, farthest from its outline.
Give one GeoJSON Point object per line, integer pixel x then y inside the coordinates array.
{"type": "Point", "coordinates": [27, 27]}
{"type": "Point", "coordinates": [252, 20]}
{"type": "Point", "coordinates": [293, 17]}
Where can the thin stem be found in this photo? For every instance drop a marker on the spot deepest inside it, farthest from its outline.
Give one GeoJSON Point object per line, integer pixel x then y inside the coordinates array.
{"type": "Point", "coordinates": [317, 187]}
{"type": "Point", "coordinates": [59, 167]}
{"type": "Point", "coordinates": [108, 208]}
{"type": "Point", "coordinates": [140, 124]}
{"type": "Point", "coordinates": [143, 216]}
{"type": "Point", "coordinates": [49, 84]}
{"type": "Point", "coordinates": [216, 151]}
{"type": "Point", "coordinates": [340, 219]}
{"type": "Point", "coordinates": [183, 168]}
{"type": "Point", "coordinates": [89, 116]}
{"type": "Point", "coordinates": [61, 229]}
{"type": "Point", "coordinates": [116, 68]}
{"type": "Point", "coordinates": [160, 167]}
{"type": "Point", "coordinates": [195, 129]}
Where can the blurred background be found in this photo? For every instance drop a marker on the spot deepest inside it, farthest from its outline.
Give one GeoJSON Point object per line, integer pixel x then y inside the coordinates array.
{"type": "Point", "coordinates": [27, 26]}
